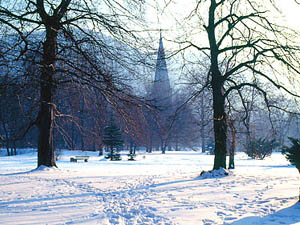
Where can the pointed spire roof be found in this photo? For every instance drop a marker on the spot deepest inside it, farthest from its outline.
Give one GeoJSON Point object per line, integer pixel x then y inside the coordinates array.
{"type": "Point", "coordinates": [161, 50]}
{"type": "Point", "coordinates": [161, 73]}
{"type": "Point", "coordinates": [161, 91]}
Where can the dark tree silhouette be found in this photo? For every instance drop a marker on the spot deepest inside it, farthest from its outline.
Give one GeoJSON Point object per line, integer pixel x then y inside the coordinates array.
{"type": "Point", "coordinates": [245, 48]}
{"type": "Point", "coordinates": [68, 30]}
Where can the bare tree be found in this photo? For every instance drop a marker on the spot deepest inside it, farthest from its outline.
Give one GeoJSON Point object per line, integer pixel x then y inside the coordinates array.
{"type": "Point", "coordinates": [69, 28]}
{"type": "Point", "coordinates": [244, 49]}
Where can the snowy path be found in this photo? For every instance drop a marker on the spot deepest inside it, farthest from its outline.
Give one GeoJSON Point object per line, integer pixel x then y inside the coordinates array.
{"type": "Point", "coordinates": [59, 199]}
{"type": "Point", "coordinates": [148, 192]}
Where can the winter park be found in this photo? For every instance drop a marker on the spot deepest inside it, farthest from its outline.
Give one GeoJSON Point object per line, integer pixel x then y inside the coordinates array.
{"type": "Point", "coordinates": [149, 112]}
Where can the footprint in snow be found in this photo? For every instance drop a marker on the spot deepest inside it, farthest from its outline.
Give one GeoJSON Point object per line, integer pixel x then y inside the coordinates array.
{"type": "Point", "coordinates": [238, 206]}
{"type": "Point", "coordinates": [236, 195]}
{"type": "Point", "coordinates": [208, 222]}
{"type": "Point", "coordinates": [230, 218]}
{"type": "Point", "coordinates": [221, 213]}
{"type": "Point", "coordinates": [262, 202]}
{"type": "Point", "coordinates": [174, 209]}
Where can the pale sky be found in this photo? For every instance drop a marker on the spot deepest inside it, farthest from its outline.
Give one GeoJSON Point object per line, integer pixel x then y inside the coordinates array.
{"type": "Point", "coordinates": [290, 12]}
{"type": "Point", "coordinates": [290, 17]}
{"type": "Point", "coordinates": [165, 18]}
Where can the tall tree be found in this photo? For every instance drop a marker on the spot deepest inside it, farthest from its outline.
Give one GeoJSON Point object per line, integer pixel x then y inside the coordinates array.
{"type": "Point", "coordinates": [69, 28]}
{"type": "Point", "coordinates": [245, 48]}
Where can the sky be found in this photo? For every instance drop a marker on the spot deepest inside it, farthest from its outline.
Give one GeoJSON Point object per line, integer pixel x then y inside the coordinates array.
{"type": "Point", "coordinates": [164, 18]}
{"type": "Point", "coordinates": [290, 11]}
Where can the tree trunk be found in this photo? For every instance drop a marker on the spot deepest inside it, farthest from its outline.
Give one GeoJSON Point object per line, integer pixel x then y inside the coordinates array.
{"type": "Point", "coordinates": [217, 82]}
{"type": "Point", "coordinates": [220, 127]}
{"type": "Point", "coordinates": [111, 153]}
{"type": "Point", "coordinates": [81, 116]}
{"type": "Point", "coordinates": [298, 168]}
{"type": "Point", "coordinates": [6, 137]}
{"type": "Point", "coordinates": [163, 146]}
{"type": "Point", "coordinates": [46, 114]}
{"type": "Point", "coordinates": [131, 148]}
{"type": "Point", "coordinates": [7, 148]}
{"type": "Point", "coordinates": [202, 124]}
{"type": "Point", "coordinates": [163, 149]}
{"type": "Point", "coordinates": [100, 149]}
{"type": "Point", "coordinates": [231, 158]}
{"type": "Point", "coordinates": [232, 147]}
{"type": "Point", "coordinates": [15, 148]}
{"type": "Point", "coordinates": [150, 143]}
{"type": "Point", "coordinates": [72, 136]}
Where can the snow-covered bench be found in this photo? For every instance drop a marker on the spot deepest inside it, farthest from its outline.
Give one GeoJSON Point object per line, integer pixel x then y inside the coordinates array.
{"type": "Point", "coordinates": [85, 158]}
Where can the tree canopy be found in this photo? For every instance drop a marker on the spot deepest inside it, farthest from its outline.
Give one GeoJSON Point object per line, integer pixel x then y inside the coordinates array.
{"type": "Point", "coordinates": [244, 48]}
{"type": "Point", "coordinates": [78, 42]}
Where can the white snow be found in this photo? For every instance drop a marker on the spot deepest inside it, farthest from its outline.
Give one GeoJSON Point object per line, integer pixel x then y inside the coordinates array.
{"type": "Point", "coordinates": [155, 189]}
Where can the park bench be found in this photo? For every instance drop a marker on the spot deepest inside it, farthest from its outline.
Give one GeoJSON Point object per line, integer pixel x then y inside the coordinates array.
{"type": "Point", "coordinates": [85, 158]}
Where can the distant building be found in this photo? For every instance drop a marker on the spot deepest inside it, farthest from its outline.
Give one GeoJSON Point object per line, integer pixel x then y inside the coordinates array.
{"type": "Point", "coordinates": [161, 96]}
{"type": "Point", "coordinates": [161, 90]}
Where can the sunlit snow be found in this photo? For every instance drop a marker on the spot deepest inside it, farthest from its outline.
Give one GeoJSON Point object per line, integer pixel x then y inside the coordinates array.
{"type": "Point", "coordinates": [154, 189]}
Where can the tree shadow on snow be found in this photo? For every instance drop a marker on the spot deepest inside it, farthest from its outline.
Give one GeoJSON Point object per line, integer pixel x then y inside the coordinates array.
{"type": "Point", "coordinates": [172, 182]}
{"type": "Point", "coordinates": [32, 171]}
{"type": "Point", "coordinates": [290, 215]}
{"type": "Point", "coordinates": [16, 173]}
{"type": "Point", "coordinates": [197, 178]}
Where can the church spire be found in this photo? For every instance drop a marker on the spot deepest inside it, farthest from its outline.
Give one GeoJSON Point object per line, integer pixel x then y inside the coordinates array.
{"type": "Point", "coordinates": [161, 72]}
{"type": "Point", "coordinates": [161, 89]}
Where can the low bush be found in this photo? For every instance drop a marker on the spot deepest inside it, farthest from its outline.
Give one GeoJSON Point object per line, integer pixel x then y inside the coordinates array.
{"type": "Point", "coordinates": [260, 148]}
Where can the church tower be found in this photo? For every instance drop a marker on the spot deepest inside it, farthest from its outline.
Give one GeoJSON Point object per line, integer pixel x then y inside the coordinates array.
{"type": "Point", "coordinates": [161, 92]}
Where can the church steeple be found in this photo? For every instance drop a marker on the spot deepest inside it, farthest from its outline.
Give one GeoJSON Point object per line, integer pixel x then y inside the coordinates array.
{"type": "Point", "coordinates": [161, 71]}
{"type": "Point", "coordinates": [161, 88]}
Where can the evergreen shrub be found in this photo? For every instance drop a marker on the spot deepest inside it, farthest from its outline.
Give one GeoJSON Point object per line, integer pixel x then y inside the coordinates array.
{"type": "Point", "coordinates": [293, 153]}
{"type": "Point", "coordinates": [113, 140]}
{"type": "Point", "coordinates": [260, 148]}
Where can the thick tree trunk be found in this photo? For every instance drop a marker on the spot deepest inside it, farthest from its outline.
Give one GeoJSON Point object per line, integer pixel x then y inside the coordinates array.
{"type": "Point", "coordinates": [46, 114]}
{"type": "Point", "coordinates": [298, 168]}
{"type": "Point", "coordinates": [220, 127]}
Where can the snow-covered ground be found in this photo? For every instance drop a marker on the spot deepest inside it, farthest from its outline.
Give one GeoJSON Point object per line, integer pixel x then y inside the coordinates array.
{"type": "Point", "coordinates": [155, 189]}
